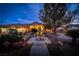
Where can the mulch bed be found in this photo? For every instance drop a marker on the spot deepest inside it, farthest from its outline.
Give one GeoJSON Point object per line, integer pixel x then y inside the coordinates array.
{"type": "Point", "coordinates": [18, 49]}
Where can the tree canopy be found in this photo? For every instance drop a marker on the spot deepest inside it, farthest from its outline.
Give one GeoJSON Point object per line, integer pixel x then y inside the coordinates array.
{"type": "Point", "coordinates": [54, 14]}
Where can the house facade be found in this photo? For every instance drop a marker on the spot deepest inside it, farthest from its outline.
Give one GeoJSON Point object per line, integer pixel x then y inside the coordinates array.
{"type": "Point", "coordinates": [22, 27]}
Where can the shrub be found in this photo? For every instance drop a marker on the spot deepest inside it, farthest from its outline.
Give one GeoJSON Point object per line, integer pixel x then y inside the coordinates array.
{"type": "Point", "coordinates": [34, 30]}
{"type": "Point", "coordinates": [14, 38]}
{"type": "Point", "coordinates": [12, 31]}
{"type": "Point", "coordinates": [10, 37]}
{"type": "Point", "coordinates": [74, 34]}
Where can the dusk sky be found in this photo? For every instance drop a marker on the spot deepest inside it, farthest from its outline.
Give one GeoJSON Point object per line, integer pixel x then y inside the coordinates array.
{"type": "Point", "coordinates": [24, 13]}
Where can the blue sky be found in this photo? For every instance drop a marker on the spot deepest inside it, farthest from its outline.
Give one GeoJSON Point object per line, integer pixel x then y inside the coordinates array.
{"type": "Point", "coordinates": [19, 13]}
{"type": "Point", "coordinates": [25, 13]}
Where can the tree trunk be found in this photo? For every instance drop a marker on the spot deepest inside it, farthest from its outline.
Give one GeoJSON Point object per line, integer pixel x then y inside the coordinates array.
{"type": "Point", "coordinates": [54, 27]}
{"type": "Point", "coordinates": [54, 31]}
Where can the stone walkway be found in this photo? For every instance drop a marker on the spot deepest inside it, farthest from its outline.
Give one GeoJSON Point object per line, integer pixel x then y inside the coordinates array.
{"type": "Point", "coordinates": [39, 47]}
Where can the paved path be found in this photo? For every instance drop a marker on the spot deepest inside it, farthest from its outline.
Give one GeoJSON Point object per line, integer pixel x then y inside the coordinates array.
{"type": "Point", "coordinates": [63, 37]}
{"type": "Point", "coordinates": [39, 47]}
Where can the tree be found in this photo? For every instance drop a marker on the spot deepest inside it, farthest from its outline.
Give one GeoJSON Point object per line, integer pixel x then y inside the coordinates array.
{"type": "Point", "coordinates": [52, 14]}
{"type": "Point", "coordinates": [69, 16]}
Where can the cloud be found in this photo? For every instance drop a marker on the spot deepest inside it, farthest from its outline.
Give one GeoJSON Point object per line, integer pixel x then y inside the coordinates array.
{"type": "Point", "coordinates": [19, 20]}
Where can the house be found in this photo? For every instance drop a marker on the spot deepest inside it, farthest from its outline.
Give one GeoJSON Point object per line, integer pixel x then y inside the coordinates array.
{"type": "Point", "coordinates": [22, 27]}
